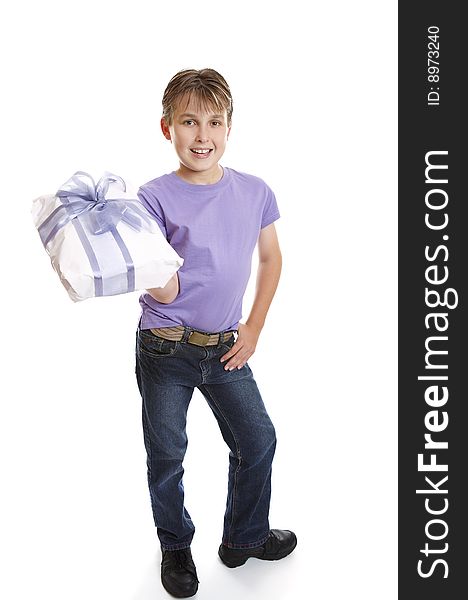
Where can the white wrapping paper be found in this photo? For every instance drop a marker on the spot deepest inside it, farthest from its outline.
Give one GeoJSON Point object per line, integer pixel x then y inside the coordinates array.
{"type": "Point", "coordinates": [153, 260]}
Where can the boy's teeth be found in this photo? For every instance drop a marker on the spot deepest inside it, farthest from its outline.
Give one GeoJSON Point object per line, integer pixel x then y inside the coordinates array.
{"type": "Point", "coordinates": [201, 151]}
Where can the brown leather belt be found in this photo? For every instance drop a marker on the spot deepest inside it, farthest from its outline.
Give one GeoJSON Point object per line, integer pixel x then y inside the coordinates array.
{"type": "Point", "coordinates": [195, 337]}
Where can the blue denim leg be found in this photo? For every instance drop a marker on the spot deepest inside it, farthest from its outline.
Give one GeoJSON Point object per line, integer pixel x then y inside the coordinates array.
{"type": "Point", "coordinates": [164, 413]}
{"type": "Point", "coordinates": [167, 373]}
{"type": "Point", "coordinates": [250, 435]}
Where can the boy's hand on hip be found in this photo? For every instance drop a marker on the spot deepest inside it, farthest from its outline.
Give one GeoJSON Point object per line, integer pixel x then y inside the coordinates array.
{"type": "Point", "coordinates": [243, 348]}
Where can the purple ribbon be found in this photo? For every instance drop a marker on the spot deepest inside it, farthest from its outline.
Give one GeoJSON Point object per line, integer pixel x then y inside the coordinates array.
{"type": "Point", "coordinates": [82, 198]}
{"type": "Point", "coordinates": [85, 199]}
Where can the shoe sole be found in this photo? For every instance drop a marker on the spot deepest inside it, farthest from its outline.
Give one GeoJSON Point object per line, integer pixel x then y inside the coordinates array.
{"type": "Point", "coordinates": [238, 563]}
{"type": "Point", "coordinates": [175, 595]}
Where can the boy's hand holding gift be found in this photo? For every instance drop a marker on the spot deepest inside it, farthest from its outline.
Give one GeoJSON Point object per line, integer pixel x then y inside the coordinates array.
{"type": "Point", "coordinates": [101, 240]}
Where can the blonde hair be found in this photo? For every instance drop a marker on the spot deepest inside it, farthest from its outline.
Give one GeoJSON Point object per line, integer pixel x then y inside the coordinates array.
{"type": "Point", "coordinates": [208, 88]}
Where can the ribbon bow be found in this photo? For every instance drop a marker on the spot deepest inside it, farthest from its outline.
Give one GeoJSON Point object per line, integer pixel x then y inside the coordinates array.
{"type": "Point", "coordinates": [81, 197]}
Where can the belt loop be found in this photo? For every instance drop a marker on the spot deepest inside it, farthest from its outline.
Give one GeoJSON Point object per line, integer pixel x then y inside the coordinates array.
{"type": "Point", "coordinates": [221, 337]}
{"type": "Point", "coordinates": [186, 334]}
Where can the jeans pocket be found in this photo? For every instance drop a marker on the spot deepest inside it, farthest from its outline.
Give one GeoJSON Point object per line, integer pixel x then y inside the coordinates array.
{"type": "Point", "coordinates": [228, 344]}
{"type": "Point", "coordinates": [155, 346]}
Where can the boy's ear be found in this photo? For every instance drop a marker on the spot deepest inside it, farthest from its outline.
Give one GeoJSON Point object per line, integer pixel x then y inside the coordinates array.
{"type": "Point", "coordinates": [165, 129]}
{"type": "Point", "coordinates": [228, 132]}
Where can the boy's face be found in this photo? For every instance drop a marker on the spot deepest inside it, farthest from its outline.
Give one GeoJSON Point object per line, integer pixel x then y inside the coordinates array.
{"type": "Point", "coordinates": [197, 129]}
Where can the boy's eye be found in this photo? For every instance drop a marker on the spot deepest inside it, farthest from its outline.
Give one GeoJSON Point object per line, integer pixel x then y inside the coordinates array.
{"type": "Point", "coordinates": [189, 121]}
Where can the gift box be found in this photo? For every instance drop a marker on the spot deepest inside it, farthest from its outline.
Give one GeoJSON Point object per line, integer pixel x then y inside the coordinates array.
{"type": "Point", "coordinates": [101, 240]}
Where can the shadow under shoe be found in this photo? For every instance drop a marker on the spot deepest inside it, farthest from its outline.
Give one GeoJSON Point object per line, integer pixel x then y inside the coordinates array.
{"type": "Point", "coordinates": [279, 544]}
{"type": "Point", "coordinates": [178, 573]}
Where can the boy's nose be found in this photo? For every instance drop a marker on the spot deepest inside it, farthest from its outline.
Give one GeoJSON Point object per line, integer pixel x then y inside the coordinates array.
{"type": "Point", "coordinates": [202, 135]}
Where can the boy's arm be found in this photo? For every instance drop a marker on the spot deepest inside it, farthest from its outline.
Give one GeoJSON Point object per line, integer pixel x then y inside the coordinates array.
{"type": "Point", "coordinates": [168, 293]}
{"type": "Point", "coordinates": [268, 274]}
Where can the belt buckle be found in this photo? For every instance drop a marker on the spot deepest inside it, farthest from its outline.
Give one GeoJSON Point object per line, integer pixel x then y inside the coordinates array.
{"type": "Point", "coordinates": [198, 338]}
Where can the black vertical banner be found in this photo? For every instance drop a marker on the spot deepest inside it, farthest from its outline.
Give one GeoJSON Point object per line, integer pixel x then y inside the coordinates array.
{"type": "Point", "coordinates": [433, 297]}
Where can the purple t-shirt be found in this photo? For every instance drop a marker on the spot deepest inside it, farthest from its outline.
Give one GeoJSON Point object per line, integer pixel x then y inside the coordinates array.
{"type": "Point", "coordinates": [215, 229]}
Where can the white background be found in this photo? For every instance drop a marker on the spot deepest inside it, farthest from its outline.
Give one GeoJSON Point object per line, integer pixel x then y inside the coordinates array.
{"type": "Point", "coordinates": [314, 87]}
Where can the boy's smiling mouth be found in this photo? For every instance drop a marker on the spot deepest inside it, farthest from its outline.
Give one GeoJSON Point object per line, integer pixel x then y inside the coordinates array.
{"type": "Point", "coordinates": [201, 152]}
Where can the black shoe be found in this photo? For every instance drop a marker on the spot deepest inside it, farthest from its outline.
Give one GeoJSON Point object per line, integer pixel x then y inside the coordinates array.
{"type": "Point", "coordinates": [178, 573]}
{"type": "Point", "coordinates": [279, 544]}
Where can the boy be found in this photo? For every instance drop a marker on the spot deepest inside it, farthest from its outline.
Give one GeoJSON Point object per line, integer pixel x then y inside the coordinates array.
{"type": "Point", "coordinates": [213, 216]}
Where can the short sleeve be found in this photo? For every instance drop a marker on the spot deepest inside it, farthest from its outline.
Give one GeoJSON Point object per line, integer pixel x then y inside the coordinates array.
{"type": "Point", "coordinates": [154, 208]}
{"type": "Point", "coordinates": [270, 208]}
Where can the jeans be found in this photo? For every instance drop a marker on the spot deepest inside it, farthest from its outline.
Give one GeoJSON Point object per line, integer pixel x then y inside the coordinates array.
{"type": "Point", "coordinates": [167, 373]}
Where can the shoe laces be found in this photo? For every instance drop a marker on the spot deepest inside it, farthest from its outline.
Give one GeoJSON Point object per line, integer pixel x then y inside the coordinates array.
{"type": "Point", "coordinates": [181, 559]}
